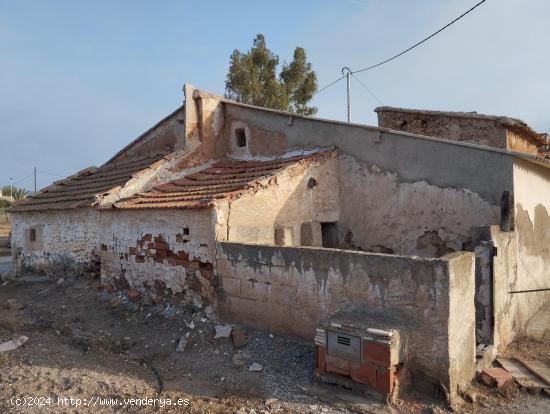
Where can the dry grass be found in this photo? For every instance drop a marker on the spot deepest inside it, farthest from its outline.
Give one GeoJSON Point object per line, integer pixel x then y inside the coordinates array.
{"type": "Point", "coordinates": [528, 349]}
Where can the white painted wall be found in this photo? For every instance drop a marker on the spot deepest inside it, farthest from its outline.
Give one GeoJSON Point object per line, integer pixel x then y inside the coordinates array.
{"type": "Point", "coordinates": [62, 236]}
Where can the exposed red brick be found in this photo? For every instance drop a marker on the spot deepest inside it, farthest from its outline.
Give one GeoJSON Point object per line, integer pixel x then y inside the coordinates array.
{"type": "Point", "coordinates": [158, 259]}
{"type": "Point", "coordinates": [158, 238]}
{"type": "Point", "coordinates": [377, 353]}
{"type": "Point", "coordinates": [179, 238]}
{"type": "Point", "coordinates": [181, 262]}
{"type": "Point", "coordinates": [140, 259]}
{"type": "Point", "coordinates": [495, 377]}
{"type": "Point", "coordinates": [132, 250]}
{"type": "Point", "coordinates": [336, 365]}
{"type": "Point", "coordinates": [104, 247]}
{"type": "Point", "coordinates": [162, 253]}
{"type": "Point", "coordinates": [150, 245]}
{"type": "Point", "coordinates": [161, 246]}
{"type": "Point", "coordinates": [147, 237]}
{"type": "Point", "coordinates": [183, 255]}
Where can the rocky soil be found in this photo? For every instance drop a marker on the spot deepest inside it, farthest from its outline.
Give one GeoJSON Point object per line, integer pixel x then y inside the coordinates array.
{"type": "Point", "coordinates": [117, 352]}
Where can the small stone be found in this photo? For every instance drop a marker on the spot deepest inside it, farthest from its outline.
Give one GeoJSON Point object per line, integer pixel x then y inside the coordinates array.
{"type": "Point", "coordinates": [222, 331]}
{"type": "Point", "coordinates": [255, 367]}
{"type": "Point", "coordinates": [470, 396]}
{"type": "Point", "coordinates": [238, 360]}
{"type": "Point", "coordinates": [115, 302]}
{"type": "Point", "coordinates": [131, 306]}
{"type": "Point", "coordinates": [191, 325]}
{"type": "Point", "coordinates": [239, 337]}
{"type": "Point", "coordinates": [203, 320]}
{"type": "Point", "coordinates": [271, 336]}
{"type": "Point", "coordinates": [168, 312]}
{"type": "Point", "coordinates": [182, 343]}
{"type": "Point", "coordinates": [13, 344]}
{"type": "Point", "coordinates": [132, 294]}
{"type": "Point", "coordinates": [105, 296]}
{"type": "Point", "coordinates": [271, 402]}
{"type": "Point", "coordinates": [147, 300]}
{"type": "Point", "coordinates": [209, 311]}
{"type": "Point", "coordinates": [13, 304]}
{"type": "Point", "coordinates": [60, 281]}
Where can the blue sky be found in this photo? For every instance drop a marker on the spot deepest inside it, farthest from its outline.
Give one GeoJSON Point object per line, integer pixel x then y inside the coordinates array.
{"type": "Point", "coordinates": [80, 79]}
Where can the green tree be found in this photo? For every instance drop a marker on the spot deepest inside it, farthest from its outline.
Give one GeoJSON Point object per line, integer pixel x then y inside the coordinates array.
{"type": "Point", "coordinates": [18, 193]}
{"type": "Point", "coordinates": [252, 79]}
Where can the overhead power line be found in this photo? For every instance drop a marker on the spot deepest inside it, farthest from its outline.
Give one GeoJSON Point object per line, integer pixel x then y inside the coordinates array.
{"type": "Point", "coordinates": [367, 89]}
{"type": "Point", "coordinates": [23, 179]}
{"type": "Point", "coordinates": [52, 174]}
{"type": "Point", "coordinates": [398, 54]}
{"type": "Point", "coordinates": [329, 85]}
{"type": "Point", "coordinates": [422, 41]}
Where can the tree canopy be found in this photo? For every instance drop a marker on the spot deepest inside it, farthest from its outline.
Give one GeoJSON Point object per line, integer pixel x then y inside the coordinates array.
{"type": "Point", "coordinates": [252, 79]}
{"type": "Point", "coordinates": [18, 193]}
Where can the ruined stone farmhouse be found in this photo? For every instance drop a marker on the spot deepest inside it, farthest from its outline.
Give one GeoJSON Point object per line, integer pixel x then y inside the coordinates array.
{"type": "Point", "coordinates": [421, 229]}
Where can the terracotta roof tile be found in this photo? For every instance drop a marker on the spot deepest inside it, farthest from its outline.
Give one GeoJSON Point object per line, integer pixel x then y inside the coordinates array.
{"type": "Point", "coordinates": [223, 180]}
{"type": "Point", "coordinates": [83, 188]}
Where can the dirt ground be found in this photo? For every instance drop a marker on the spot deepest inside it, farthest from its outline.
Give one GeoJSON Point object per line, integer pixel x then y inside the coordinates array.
{"type": "Point", "coordinates": [86, 344]}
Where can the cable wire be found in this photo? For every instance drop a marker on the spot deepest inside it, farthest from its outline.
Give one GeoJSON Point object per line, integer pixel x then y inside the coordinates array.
{"type": "Point", "coordinates": [329, 85]}
{"type": "Point", "coordinates": [422, 41]}
{"type": "Point", "coordinates": [23, 179]}
{"type": "Point", "coordinates": [52, 174]}
{"type": "Point", "coordinates": [367, 89]}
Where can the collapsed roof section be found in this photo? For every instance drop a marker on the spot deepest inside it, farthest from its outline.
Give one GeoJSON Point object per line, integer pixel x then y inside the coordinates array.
{"type": "Point", "coordinates": [224, 180]}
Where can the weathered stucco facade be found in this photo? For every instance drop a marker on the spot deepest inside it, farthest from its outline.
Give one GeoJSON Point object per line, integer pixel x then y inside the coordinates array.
{"type": "Point", "coordinates": [429, 301]}
{"type": "Point", "coordinates": [382, 212]}
{"type": "Point", "coordinates": [169, 253]}
{"type": "Point", "coordinates": [428, 235]}
{"type": "Point", "coordinates": [56, 242]}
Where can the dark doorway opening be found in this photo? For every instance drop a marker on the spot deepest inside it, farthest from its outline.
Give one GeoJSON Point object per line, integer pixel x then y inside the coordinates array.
{"type": "Point", "coordinates": [329, 234]}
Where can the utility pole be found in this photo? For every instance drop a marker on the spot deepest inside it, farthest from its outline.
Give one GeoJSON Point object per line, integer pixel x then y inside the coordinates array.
{"type": "Point", "coordinates": [35, 179]}
{"type": "Point", "coordinates": [347, 72]}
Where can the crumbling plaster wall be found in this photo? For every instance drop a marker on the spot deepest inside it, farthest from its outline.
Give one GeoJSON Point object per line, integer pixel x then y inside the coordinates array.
{"type": "Point", "coordinates": [523, 256]}
{"type": "Point", "coordinates": [520, 143]}
{"type": "Point", "coordinates": [65, 241]}
{"type": "Point", "coordinates": [381, 212]}
{"type": "Point", "coordinates": [413, 158]}
{"type": "Point", "coordinates": [168, 250]}
{"type": "Point", "coordinates": [460, 127]}
{"type": "Point", "coordinates": [302, 194]}
{"type": "Point", "coordinates": [290, 290]}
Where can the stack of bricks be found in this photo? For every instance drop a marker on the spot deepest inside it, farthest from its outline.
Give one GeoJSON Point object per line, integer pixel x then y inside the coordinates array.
{"type": "Point", "coordinates": [378, 364]}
